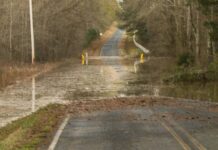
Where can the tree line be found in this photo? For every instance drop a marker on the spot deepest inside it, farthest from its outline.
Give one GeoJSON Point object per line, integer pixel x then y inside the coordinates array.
{"type": "Point", "coordinates": [175, 27]}
{"type": "Point", "coordinates": [60, 27]}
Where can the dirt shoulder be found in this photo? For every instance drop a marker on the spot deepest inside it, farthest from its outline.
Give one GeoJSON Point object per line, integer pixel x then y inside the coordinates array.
{"type": "Point", "coordinates": [80, 107]}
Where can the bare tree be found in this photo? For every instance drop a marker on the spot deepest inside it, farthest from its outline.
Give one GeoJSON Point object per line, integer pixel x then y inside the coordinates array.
{"type": "Point", "coordinates": [60, 27]}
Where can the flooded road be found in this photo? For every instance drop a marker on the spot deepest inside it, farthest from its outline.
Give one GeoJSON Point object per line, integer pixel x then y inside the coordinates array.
{"type": "Point", "coordinates": [105, 77]}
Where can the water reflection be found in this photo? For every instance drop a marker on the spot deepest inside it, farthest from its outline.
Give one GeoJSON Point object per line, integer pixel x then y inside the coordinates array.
{"type": "Point", "coordinates": [33, 94]}
{"type": "Point", "coordinates": [102, 71]}
{"type": "Point", "coordinates": [111, 77]}
{"type": "Point", "coordinates": [156, 92]}
{"type": "Point", "coordinates": [138, 62]}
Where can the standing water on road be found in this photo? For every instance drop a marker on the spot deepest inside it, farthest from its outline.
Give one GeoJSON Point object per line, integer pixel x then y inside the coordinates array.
{"type": "Point", "coordinates": [106, 77]}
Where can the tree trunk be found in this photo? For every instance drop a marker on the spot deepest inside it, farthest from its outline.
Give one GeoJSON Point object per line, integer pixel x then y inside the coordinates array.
{"type": "Point", "coordinates": [197, 40]}
{"type": "Point", "coordinates": [189, 26]}
{"type": "Point", "coordinates": [210, 42]}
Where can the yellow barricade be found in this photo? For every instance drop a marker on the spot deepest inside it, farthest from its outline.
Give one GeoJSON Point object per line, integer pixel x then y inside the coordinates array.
{"type": "Point", "coordinates": [83, 59]}
{"type": "Point", "coordinates": [142, 58]}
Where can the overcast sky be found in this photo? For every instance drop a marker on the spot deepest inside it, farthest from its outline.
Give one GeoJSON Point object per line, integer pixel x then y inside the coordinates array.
{"type": "Point", "coordinates": [119, 0]}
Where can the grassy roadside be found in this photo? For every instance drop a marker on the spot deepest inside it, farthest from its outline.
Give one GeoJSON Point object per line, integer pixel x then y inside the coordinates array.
{"type": "Point", "coordinates": [32, 131]}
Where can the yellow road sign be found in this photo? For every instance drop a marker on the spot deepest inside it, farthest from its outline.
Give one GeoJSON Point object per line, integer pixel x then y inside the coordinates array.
{"type": "Point", "coordinates": [83, 59]}
{"type": "Point", "coordinates": [142, 58]}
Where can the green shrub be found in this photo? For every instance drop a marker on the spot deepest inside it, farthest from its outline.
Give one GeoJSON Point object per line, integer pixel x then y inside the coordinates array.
{"type": "Point", "coordinates": [186, 60]}
{"type": "Point", "coordinates": [91, 35]}
{"type": "Point", "coordinates": [214, 66]}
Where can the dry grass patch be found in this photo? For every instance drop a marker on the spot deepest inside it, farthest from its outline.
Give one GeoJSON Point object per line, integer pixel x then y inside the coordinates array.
{"type": "Point", "coordinates": [9, 74]}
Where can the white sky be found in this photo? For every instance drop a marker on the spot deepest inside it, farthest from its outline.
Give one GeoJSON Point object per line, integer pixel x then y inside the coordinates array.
{"type": "Point", "coordinates": [119, 0]}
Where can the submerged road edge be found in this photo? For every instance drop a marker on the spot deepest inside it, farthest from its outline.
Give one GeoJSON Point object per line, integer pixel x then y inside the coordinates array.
{"type": "Point", "coordinates": [58, 133]}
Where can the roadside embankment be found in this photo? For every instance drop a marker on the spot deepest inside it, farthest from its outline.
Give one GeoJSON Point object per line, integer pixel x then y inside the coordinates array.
{"type": "Point", "coordinates": [33, 131]}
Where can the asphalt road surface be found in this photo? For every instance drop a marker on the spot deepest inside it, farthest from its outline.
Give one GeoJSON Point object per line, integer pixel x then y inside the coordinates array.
{"type": "Point", "coordinates": [111, 47]}
{"type": "Point", "coordinates": [141, 128]}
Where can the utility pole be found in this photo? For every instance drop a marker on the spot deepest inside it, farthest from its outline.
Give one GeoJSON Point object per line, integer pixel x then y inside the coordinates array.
{"type": "Point", "coordinates": [11, 28]}
{"type": "Point", "coordinates": [32, 32]}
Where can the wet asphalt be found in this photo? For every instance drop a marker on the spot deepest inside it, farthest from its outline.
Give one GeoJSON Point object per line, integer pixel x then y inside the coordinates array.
{"type": "Point", "coordinates": [139, 128]}
{"type": "Point", "coordinates": [116, 130]}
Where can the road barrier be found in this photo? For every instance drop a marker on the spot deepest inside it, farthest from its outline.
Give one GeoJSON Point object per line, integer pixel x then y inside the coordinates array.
{"type": "Point", "coordinates": [85, 59]}
{"type": "Point", "coordinates": [145, 50]}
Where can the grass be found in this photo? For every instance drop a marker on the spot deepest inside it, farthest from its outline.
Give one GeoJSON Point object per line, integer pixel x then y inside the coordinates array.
{"type": "Point", "coordinates": [194, 74]}
{"type": "Point", "coordinates": [33, 131]}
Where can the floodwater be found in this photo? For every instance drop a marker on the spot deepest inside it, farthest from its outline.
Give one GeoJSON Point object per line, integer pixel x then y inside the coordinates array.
{"type": "Point", "coordinates": [113, 79]}
{"type": "Point", "coordinates": [107, 76]}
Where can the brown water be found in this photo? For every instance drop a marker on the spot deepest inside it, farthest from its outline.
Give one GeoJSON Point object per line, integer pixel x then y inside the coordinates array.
{"type": "Point", "coordinates": [104, 77]}
{"type": "Point", "coordinates": [112, 79]}
{"type": "Point", "coordinates": [100, 79]}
